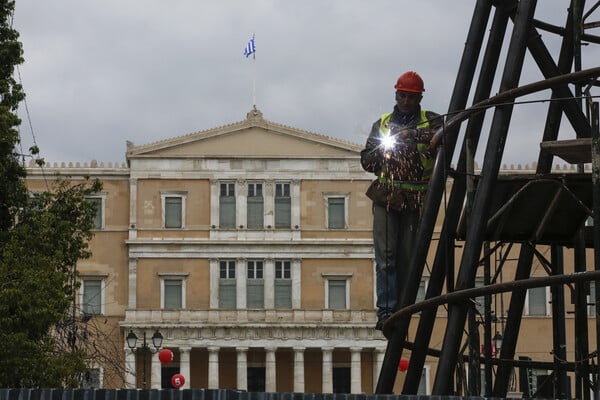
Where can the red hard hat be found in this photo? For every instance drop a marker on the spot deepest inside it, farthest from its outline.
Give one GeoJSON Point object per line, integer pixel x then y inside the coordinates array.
{"type": "Point", "coordinates": [410, 82]}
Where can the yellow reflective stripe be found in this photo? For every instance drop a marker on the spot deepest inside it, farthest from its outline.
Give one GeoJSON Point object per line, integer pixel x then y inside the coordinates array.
{"type": "Point", "coordinates": [418, 187]}
{"type": "Point", "coordinates": [385, 119]}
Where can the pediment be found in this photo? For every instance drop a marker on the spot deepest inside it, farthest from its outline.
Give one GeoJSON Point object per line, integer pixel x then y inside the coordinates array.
{"type": "Point", "coordinates": [254, 137]}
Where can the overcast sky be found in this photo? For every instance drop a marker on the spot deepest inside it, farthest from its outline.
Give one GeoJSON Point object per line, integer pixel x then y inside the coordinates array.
{"type": "Point", "coordinates": [100, 72]}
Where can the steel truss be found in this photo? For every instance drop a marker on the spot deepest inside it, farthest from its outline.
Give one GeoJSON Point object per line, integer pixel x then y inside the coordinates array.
{"type": "Point", "coordinates": [474, 214]}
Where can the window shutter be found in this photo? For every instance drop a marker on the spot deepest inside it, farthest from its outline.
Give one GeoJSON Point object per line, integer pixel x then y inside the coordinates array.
{"type": "Point", "coordinates": [337, 294]}
{"type": "Point", "coordinates": [255, 293]}
{"type": "Point", "coordinates": [173, 212]}
{"type": "Point", "coordinates": [255, 212]}
{"type": "Point", "coordinates": [537, 301]}
{"type": "Point", "coordinates": [98, 216]}
{"type": "Point", "coordinates": [173, 293]}
{"type": "Point", "coordinates": [283, 293]}
{"type": "Point", "coordinates": [283, 212]}
{"type": "Point", "coordinates": [227, 293]}
{"type": "Point", "coordinates": [336, 213]}
{"type": "Point", "coordinates": [227, 212]}
{"type": "Point", "coordinates": [92, 297]}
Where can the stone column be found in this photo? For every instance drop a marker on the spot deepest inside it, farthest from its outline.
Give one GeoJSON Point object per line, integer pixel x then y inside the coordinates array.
{"type": "Point", "coordinates": [299, 369]}
{"type": "Point", "coordinates": [355, 370]}
{"type": "Point", "coordinates": [213, 367]}
{"type": "Point", "coordinates": [130, 371]}
{"type": "Point", "coordinates": [133, 208]}
{"type": "Point", "coordinates": [269, 283]}
{"type": "Point", "coordinates": [132, 283]}
{"type": "Point", "coordinates": [184, 365]}
{"type": "Point", "coordinates": [270, 370]}
{"type": "Point", "coordinates": [155, 371]}
{"type": "Point", "coordinates": [327, 385]}
{"type": "Point", "coordinates": [242, 368]}
{"type": "Point", "coordinates": [378, 355]}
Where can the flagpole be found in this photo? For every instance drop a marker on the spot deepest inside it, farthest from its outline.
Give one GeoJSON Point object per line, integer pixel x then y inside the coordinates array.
{"type": "Point", "coordinates": [254, 78]}
{"type": "Point", "coordinates": [251, 49]}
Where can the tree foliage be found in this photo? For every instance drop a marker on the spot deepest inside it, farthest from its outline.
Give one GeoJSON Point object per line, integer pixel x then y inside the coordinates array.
{"type": "Point", "coordinates": [41, 239]}
{"type": "Point", "coordinates": [37, 271]}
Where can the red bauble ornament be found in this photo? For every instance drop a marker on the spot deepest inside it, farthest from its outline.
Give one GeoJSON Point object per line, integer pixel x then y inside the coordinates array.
{"type": "Point", "coordinates": [177, 381]}
{"type": "Point", "coordinates": [165, 356]}
{"type": "Point", "coordinates": [403, 365]}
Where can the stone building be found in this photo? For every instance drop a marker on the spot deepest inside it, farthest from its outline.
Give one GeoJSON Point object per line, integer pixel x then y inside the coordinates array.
{"type": "Point", "coordinates": [248, 247]}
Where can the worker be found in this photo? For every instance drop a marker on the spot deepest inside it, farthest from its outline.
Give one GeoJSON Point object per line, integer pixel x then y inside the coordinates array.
{"type": "Point", "coordinates": [398, 152]}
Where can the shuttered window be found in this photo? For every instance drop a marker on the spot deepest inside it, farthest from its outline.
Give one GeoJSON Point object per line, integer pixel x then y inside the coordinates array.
{"type": "Point", "coordinates": [255, 206]}
{"type": "Point", "coordinates": [337, 293]}
{"type": "Point", "coordinates": [97, 202]}
{"type": "Point", "coordinates": [92, 296]}
{"type": "Point", "coordinates": [283, 206]}
{"type": "Point", "coordinates": [336, 213]}
{"type": "Point", "coordinates": [173, 211]}
{"type": "Point", "coordinates": [255, 290]}
{"type": "Point", "coordinates": [227, 205]}
{"type": "Point", "coordinates": [421, 291]}
{"type": "Point", "coordinates": [173, 289]}
{"type": "Point", "coordinates": [283, 284]}
{"type": "Point", "coordinates": [592, 299]}
{"type": "Point", "coordinates": [227, 285]}
{"type": "Point", "coordinates": [537, 303]}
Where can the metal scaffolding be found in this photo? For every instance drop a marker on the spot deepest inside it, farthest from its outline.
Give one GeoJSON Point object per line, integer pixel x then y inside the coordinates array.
{"type": "Point", "coordinates": [492, 214]}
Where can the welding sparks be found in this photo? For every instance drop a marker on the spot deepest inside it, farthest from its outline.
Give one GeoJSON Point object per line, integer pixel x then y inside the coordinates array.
{"type": "Point", "coordinates": [388, 142]}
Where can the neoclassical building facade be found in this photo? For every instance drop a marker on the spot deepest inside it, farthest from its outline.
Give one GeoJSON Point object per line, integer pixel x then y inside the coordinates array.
{"type": "Point", "coordinates": [248, 247]}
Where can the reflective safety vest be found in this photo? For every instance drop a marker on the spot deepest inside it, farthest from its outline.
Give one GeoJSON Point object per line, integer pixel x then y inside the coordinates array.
{"type": "Point", "coordinates": [426, 160]}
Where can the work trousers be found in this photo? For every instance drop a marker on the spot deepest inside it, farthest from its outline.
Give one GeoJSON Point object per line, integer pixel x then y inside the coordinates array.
{"type": "Point", "coordinates": [394, 234]}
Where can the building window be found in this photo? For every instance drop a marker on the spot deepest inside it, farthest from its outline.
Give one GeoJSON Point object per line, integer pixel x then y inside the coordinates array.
{"type": "Point", "coordinates": [255, 290]}
{"type": "Point", "coordinates": [421, 291]}
{"type": "Point", "coordinates": [227, 205]}
{"type": "Point", "coordinates": [227, 284]}
{"type": "Point", "coordinates": [537, 303]}
{"type": "Point", "coordinates": [92, 296]}
{"type": "Point", "coordinates": [423, 389]}
{"type": "Point", "coordinates": [98, 202]}
{"type": "Point", "coordinates": [283, 284]}
{"type": "Point", "coordinates": [255, 206]}
{"type": "Point", "coordinates": [480, 300]}
{"type": "Point", "coordinates": [172, 290]}
{"type": "Point", "coordinates": [283, 206]}
{"type": "Point", "coordinates": [592, 299]}
{"type": "Point", "coordinates": [337, 291]}
{"type": "Point", "coordinates": [336, 212]}
{"type": "Point", "coordinates": [92, 379]}
{"type": "Point", "coordinates": [173, 206]}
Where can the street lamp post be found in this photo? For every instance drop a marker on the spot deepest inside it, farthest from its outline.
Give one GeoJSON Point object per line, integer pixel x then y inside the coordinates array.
{"type": "Point", "coordinates": [497, 343]}
{"type": "Point", "coordinates": [157, 339]}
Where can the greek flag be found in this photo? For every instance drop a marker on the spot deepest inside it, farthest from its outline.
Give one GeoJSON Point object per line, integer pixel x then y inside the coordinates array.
{"type": "Point", "coordinates": [250, 48]}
